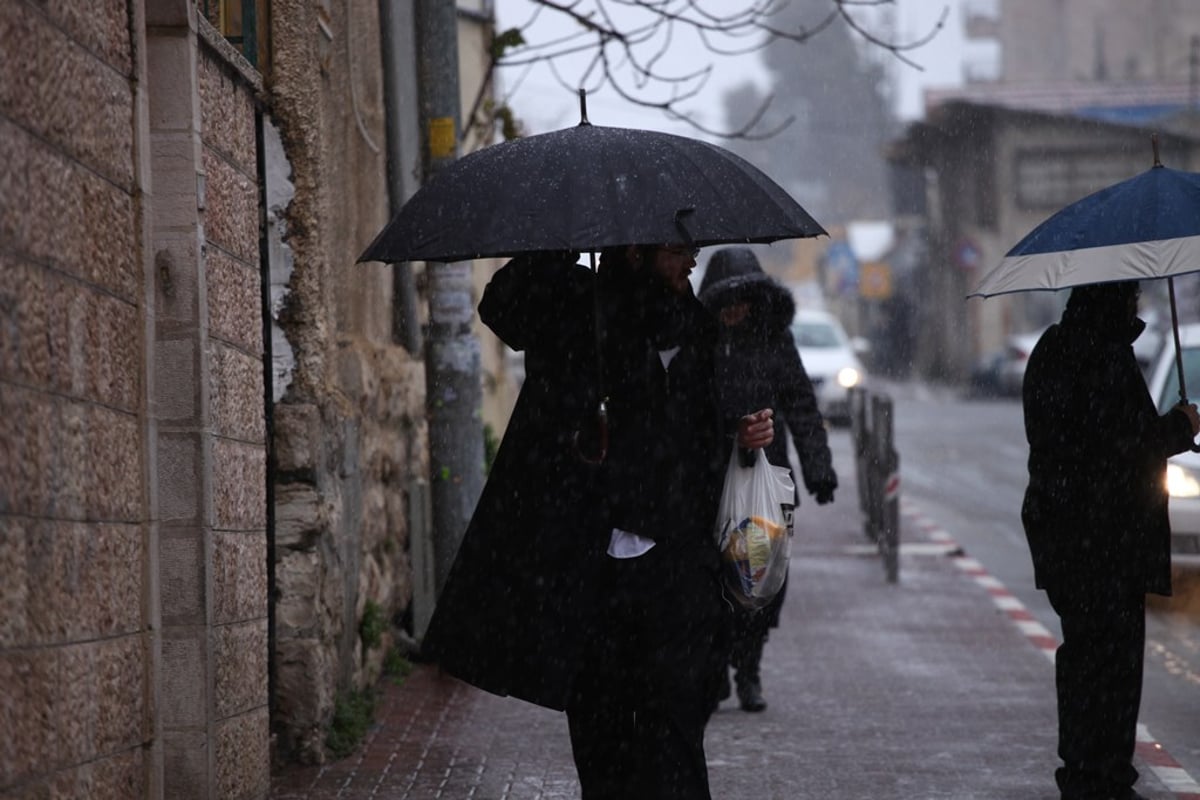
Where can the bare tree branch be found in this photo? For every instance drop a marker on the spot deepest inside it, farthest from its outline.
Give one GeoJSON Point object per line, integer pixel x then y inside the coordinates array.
{"type": "Point", "coordinates": [631, 57]}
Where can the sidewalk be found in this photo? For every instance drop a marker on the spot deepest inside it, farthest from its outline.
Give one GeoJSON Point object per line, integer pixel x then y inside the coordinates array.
{"type": "Point", "coordinates": [922, 689]}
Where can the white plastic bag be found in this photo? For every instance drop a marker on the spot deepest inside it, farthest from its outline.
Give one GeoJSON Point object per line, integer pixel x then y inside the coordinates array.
{"type": "Point", "coordinates": [754, 529]}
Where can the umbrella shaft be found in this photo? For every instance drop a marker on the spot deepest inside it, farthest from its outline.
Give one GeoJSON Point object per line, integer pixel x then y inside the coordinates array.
{"type": "Point", "coordinates": [1178, 349]}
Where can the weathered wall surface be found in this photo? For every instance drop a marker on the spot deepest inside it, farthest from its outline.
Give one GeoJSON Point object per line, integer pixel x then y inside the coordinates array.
{"type": "Point", "coordinates": [349, 431]}
{"type": "Point", "coordinates": [75, 647]}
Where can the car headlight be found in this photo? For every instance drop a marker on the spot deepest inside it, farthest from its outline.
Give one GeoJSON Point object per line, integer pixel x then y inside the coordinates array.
{"type": "Point", "coordinates": [1182, 482]}
{"type": "Point", "coordinates": [847, 377]}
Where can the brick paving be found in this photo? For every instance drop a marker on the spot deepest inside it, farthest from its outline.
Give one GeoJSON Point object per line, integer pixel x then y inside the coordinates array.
{"type": "Point", "coordinates": [919, 689]}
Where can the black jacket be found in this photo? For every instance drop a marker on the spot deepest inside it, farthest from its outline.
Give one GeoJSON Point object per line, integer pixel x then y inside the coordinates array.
{"type": "Point", "coordinates": [758, 365]}
{"type": "Point", "coordinates": [520, 597]}
{"type": "Point", "coordinates": [1095, 510]}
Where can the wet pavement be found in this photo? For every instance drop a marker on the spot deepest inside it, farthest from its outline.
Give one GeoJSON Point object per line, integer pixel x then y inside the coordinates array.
{"type": "Point", "coordinates": [938, 686]}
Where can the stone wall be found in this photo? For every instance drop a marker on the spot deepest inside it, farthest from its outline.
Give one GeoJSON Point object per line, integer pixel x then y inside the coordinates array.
{"type": "Point", "coordinates": [133, 647]}
{"type": "Point", "coordinates": [349, 432]}
{"type": "Point", "coordinates": [75, 644]}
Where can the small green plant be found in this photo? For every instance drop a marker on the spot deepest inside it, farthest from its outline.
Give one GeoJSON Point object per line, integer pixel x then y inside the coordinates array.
{"type": "Point", "coordinates": [352, 715]}
{"type": "Point", "coordinates": [491, 444]}
{"type": "Point", "coordinates": [372, 626]}
{"type": "Point", "coordinates": [396, 667]}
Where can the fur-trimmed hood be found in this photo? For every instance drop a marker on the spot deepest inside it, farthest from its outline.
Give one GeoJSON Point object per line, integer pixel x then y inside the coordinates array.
{"type": "Point", "coordinates": [734, 275]}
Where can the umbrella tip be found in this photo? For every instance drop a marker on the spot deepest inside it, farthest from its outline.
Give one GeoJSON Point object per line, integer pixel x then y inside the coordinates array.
{"type": "Point", "coordinates": [1154, 146]}
{"type": "Point", "coordinates": [583, 120]}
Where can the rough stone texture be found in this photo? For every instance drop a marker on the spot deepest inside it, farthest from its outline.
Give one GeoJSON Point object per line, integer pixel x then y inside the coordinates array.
{"type": "Point", "coordinates": [298, 431]}
{"type": "Point", "coordinates": [76, 220]}
{"type": "Point", "coordinates": [236, 394]}
{"type": "Point", "coordinates": [53, 78]}
{"type": "Point", "coordinates": [239, 584]}
{"type": "Point", "coordinates": [113, 457]}
{"type": "Point", "coordinates": [305, 681]}
{"type": "Point", "coordinates": [26, 423]}
{"type": "Point", "coordinates": [29, 678]}
{"type": "Point", "coordinates": [94, 588]}
{"type": "Point", "coordinates": [243, 757]}
{"type": "Point", "coordinates": [300, 515]}
{"type": "Point", "coordinates": [227, 115]}
{"type": "Point", "coordinates": [24, 319]}
{"type": "Point", "coordinates": [234, 302]}
{"type": "Point", "coordinates": [239, 473]}
{"type": "Point", "coordinates": [14, 588]}
{"type": "Point", "coordinates": [231, 210]}
{"type": "Point", "coordinates": [240, 662]}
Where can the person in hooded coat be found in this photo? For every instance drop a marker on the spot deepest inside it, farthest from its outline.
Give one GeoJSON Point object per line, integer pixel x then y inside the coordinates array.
{"type": "Point", "coordinates": [758, 366]}
{"type": "Point", "coordinates": [587, 579]}
{"type": "Point", "coordinates": [1095, 516]}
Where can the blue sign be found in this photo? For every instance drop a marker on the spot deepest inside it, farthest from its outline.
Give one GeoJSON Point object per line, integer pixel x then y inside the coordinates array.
{"type": "Point", "coordinates": [841, 265]}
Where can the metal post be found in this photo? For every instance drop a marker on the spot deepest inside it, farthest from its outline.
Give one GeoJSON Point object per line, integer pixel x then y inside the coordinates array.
{"type": "Point", "coordinates": [454, 396]}
{"type": "Point", "coordinates": [888, 462]}
{"type": "Point", "coordinates": [403, 137]}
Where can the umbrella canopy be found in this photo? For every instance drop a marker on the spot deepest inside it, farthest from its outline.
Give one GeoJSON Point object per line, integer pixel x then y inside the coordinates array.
{"type": "Point", "coordinates": [586, 188]}
{"type": "Point", "coordinates": [1142, 228]}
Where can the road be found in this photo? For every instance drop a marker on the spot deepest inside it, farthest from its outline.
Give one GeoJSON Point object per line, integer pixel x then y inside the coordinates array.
{"type": "Point", "coordinates": [962, 462]}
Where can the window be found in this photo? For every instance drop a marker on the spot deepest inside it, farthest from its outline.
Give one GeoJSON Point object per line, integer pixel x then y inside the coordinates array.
{"type": "Point", "coordinates": [241, 22]}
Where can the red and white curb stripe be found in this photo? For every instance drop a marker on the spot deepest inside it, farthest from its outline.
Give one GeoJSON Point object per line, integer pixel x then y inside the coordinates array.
{"type": "Point", "coordinates": [1150, 751]}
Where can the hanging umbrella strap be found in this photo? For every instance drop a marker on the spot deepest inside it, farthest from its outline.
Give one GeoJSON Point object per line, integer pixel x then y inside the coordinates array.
{"type": "Point", "coordinates": [601, 388]}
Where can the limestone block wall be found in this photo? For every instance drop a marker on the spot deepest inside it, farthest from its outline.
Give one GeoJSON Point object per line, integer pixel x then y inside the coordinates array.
{"type": "Point", "coordinates": [133, 619]}
{"type": "Point", "coordinates": [76, 652]}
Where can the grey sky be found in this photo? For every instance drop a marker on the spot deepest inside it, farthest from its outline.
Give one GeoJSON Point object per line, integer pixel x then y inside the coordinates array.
{"type": "Point", "coordinates": [543, 104]}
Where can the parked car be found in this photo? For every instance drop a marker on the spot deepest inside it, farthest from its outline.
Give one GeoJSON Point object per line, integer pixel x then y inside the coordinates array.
{"type": "Point", "coordinates": [1183, 470]}
{"type": "Point", "coordinates": [1001, 373]}
{"type": "Point", "coordinates": [830, 359]}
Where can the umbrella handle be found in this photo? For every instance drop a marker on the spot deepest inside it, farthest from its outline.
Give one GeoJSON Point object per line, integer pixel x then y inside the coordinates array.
{"type": "Point", "coordinates": [1183, 399]}
{"type": "Point", "coordinates": [602, 431]}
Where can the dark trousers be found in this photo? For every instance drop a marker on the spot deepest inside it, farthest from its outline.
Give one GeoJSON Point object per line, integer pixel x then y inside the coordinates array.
{"type": "Point", "coordinates": [1098, 670]}
{"type": "Point", "coordinates": [640, 705]}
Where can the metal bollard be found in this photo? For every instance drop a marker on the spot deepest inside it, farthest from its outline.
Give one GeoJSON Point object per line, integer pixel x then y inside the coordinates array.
{"type": "Point", "coordinates": [886, 462]}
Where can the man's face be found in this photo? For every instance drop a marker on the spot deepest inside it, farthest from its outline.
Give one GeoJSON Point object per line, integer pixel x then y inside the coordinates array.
{"type": "Point", "coordinates": [673, 264]}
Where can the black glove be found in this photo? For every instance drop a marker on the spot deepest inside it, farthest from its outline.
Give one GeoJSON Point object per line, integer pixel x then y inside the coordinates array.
{"type": "Point", "coordinates": [823, 492]}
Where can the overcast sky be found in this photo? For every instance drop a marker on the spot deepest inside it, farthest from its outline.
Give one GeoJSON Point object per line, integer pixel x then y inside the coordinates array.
{"type": "Point", "coordinates": [543, 104]}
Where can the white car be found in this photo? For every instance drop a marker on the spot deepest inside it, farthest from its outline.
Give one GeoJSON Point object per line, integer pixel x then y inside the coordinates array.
{"type": "Point", "coordinates": [829, 359]}
{"type": "Point", "coordinates": [1183, 470]}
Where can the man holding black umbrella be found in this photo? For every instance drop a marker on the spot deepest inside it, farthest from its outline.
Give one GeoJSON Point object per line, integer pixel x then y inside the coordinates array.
{"type": "Point", "coordinates": [1095, 515]}
{"type": "Point", "coordinates": [588, 578]}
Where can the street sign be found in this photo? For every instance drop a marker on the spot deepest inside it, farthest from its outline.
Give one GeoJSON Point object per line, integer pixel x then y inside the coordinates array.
{"type": "Point", "coordinates": [875, 280]}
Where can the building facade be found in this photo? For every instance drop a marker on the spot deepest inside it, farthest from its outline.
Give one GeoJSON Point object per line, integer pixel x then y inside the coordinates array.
{"type": "Point", "coordinates": [212, 442]}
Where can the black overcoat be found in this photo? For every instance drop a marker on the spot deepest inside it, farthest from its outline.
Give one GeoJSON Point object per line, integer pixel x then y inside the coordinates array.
{"type": "Point", "coordinates": [1095, 510]}
{"type": "Point", "coordinates": [519, 599]}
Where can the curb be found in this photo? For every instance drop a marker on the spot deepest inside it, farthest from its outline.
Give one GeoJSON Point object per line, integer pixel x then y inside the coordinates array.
{"type": "Point", "coordinates": [1148, 749]}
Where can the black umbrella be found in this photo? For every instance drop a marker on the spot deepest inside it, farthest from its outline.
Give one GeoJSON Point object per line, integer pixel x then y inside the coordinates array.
{"type": "Point", "coordinates": [586, 188]}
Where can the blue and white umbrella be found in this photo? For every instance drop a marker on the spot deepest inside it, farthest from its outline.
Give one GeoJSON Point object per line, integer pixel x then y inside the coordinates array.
{"type": "Point", "coordinates": [1143, 228]}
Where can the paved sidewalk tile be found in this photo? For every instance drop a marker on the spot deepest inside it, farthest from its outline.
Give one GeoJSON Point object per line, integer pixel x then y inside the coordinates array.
{"type": "Point", "coordinates": [920, 689]}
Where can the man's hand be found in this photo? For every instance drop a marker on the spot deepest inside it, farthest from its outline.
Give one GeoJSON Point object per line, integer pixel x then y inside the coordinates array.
{"type": "Point", "coordinates": [756, 430]}
{"type": "Point", "coordinates": [823, 493]}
